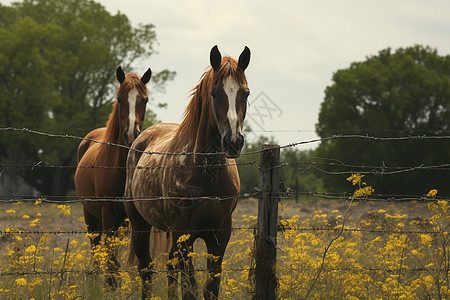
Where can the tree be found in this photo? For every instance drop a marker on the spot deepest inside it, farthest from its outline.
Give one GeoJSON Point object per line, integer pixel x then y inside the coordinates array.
{"type": "Point", "coordinates": [392, 94]}
{"type": "Point", "coordinates": [296, 173]}
{"type": "Point", "coordinates": [57, 66]}
{"type": "Point", "coordinates": [248, 164]}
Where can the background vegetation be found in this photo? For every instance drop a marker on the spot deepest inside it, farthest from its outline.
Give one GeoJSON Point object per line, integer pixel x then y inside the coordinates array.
{"type": "Point", "coordinates": [57, 74]}
{"type": "Point", "coordinates": [398, 93]}
{"type": "Point", "coordinates": [57, 64]}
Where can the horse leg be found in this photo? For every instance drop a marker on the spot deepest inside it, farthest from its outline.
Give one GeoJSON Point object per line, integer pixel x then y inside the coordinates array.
{"type": "Point", "coordinates": [216, 243]}
{"type": "Point", "coordinates": [140, 246]}
{"type": "Point", "coordinates": [94, 228]}
{"type": "Point", "coordinates": [111, 225]}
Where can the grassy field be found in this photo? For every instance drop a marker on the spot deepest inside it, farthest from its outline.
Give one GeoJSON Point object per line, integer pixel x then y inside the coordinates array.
{"type": "Point", "coordinates": [328, 249]}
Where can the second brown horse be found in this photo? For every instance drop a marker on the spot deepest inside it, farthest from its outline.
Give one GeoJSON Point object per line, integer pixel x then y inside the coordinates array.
{"type": "Point", "coordinates": [101, 164]}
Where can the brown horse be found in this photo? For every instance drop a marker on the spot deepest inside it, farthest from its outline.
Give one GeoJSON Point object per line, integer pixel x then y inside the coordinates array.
{"type": "Point", "coordinates": [101, 167]}
{"type": "Point", "coordinates": [201, 186]}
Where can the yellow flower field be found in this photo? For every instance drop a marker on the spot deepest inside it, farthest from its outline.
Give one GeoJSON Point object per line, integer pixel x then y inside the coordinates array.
{"type": "Point", "coordinates": [328, 249]}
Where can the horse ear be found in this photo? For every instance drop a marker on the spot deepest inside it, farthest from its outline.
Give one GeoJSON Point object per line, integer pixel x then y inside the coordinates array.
{"type": "Point", "coordinates": [215, 58]}
{"type": "Point", "coordinates": [146, 77]}
{"type": "Point", "coordinates": [244, 59]}
{"type": "Point", "coordinates": [120, 75]}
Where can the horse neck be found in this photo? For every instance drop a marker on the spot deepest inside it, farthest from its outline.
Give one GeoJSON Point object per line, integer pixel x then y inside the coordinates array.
{"type": "Point", "coordinates": [198, 132]}
{"type": "Point", "coordinates": [114, 134]}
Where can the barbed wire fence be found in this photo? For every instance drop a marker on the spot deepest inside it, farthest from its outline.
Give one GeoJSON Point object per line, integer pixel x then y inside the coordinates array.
{"type": "Point", "coordinates": [316, 164]}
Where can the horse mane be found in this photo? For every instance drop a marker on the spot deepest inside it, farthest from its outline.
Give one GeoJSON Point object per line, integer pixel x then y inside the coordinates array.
{"type": "Point", "coordinates": [113, 126]}
{"type": "Point", "coordinates": [200, 95]}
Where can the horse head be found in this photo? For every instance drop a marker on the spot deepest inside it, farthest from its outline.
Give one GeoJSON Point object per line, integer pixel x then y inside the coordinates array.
{"type": "Point", "coordinates": [229, 94]}
{"type": "Point", "coordinates": [132, 97]}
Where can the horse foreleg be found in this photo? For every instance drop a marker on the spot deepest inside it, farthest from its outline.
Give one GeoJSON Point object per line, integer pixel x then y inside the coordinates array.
{"type": "Point", "coordinates": [111, 223]}
{"type": "Point", "coordinates": [140, 239]}
{"type": "Point", "coordinates": [94, 228]}
{"type": "Point", "coordinates": [140, 246]}
{"type": "Point", "coordinates": [216, 243]}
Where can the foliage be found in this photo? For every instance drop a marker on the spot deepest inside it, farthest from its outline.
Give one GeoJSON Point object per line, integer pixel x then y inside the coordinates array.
{"type": "Point", "coordinates": [57, 74]}
{"type": "Point", "coordinates": [393, 94]}
{"type": "Point", "coordinates": [295, 174]}
{"type": "Point", "coordinates": [248, 164]}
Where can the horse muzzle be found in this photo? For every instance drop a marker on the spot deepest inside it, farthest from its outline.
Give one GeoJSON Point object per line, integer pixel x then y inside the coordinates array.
{"type": "Point", "coordinates": [232, 149]}
{"type": "Point", "coordinates": [129, 139]}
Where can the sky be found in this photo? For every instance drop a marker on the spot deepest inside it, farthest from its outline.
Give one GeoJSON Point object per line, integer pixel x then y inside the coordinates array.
{"type": "Point", "coordinates": [296, 46]}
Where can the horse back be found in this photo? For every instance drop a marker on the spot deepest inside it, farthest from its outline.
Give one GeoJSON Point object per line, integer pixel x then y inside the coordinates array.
{"type": "Point", "coordinates": [147, 141]}
{"type": "Point", "coordinates": [94, 135]}
{"type": "Point", "coordinates": [100, 171]}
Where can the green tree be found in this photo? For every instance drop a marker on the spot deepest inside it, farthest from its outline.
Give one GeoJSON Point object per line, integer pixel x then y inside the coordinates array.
{"type": "Point", "coordinates": [392, 94]}
{"type": "Point", "coordinates": [295, 174]}
{"type": "Point", "coordinates": [57, 66]}
{"type": "Point", "coordinates": [248, 164]}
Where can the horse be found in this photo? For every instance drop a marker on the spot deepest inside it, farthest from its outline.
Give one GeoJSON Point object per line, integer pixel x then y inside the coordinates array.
{"type": "Point", "coordinates": [184, 180]}
{"type": "Point", "coordinates": [100, 173]}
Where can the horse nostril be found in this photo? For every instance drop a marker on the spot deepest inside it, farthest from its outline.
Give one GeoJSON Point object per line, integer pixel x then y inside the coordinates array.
{"type": "Point", "coordinates": [125, 136]}
{"type": "Point", "coordinates": [136, 133]}
{"type": "Point", "coordinates": [241, 140]}
{"type": "Point", "coordinates": [231, 147]}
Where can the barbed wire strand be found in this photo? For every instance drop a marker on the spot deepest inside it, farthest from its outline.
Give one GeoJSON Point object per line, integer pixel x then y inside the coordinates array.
{"type": "Point", "coordinates": [225, 270]}
{"type": "Point", "coordinates": [293, 144]}
{"type": "Point", "coordinates": [281, 228]}
{"type": "Point", "coordinates": [70, 199]}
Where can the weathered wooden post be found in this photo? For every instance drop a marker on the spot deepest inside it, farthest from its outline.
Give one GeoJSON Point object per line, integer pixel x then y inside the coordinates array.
{"type": "Point", "coordinates": [266, 234]}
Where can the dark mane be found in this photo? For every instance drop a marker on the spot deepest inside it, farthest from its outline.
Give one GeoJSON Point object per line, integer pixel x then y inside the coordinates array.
{"type": "Point", "coordinates": [200, 96]}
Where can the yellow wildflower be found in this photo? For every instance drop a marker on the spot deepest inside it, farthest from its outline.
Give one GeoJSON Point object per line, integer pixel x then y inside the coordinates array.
{"type": "Point", "coordinates": [30, 249]}
{"type": "Point", "coordinates": [355, 178]}
{"type": "Point", "coordinates": [183, 238]}
{"type": "Point", "coordinates": [432, 193]}
{"type": "Point", "coordinates": [64, 208]}
{"type": "Point", "coordinates": [365, 191]}
{"type": "Point", "coordinates": [11, 211]}
{"type": "Point", "coordinates": [21, 281]}
{"type": "Point", "coordinates": [35, 222]}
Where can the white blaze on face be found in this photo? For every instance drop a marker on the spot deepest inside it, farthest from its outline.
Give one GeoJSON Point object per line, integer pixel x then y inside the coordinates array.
{"type": "Point", "coordinates": [132, 98]}
{"type": "Point", "coordinates": [231, 88]}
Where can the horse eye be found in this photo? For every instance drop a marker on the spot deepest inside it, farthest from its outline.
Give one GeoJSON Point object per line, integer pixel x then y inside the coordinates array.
{"type": "Point", "coordinates": [118, 100]}
{"type": "Point", "coordinates": [145, 100]}
{"type": "Point", "coordinates": [213, 93]}
{"type": "Point", "coordinates": [246, 93]}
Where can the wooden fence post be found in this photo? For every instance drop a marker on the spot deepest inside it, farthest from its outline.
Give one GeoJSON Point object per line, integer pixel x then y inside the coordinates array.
{"type": "Point", "coordinates": [266, 235]}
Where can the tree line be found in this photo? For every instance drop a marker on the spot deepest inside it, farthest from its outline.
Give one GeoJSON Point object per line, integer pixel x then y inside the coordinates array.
{"type": "Point", "coordinates": [394, 94]}
{"type": "Point", "coordinates": [57, 63]}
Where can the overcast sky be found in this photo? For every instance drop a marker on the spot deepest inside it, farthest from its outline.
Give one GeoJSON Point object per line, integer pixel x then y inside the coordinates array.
{"type": "Point", "coordinates": [296, 47]}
